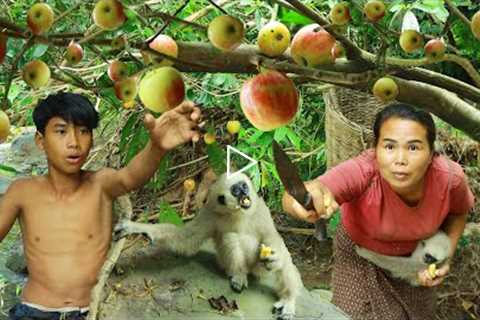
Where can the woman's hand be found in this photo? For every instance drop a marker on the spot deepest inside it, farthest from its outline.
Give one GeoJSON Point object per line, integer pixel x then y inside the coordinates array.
{"type": "Point", "coordinates": [426, 280]}
{"type": "Point", "coordinates": [323, 202]}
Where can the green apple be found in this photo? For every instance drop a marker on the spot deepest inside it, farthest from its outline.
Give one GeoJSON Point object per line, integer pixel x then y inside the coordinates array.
{"type": "Point", "coordinates": [340, 13]}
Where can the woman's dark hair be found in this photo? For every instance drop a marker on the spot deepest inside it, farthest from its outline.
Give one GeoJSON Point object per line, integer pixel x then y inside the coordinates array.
{"type": "Point", "coordinates": [408, 112]}
{"type": "Point", "coordinates": [71, 107]}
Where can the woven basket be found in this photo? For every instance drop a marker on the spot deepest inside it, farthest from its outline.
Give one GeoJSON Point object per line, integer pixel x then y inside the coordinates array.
{"type": "Point", "coordinates": [349, 117]}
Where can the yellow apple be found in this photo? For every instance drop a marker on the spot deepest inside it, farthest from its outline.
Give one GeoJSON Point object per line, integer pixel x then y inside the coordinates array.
{"type": "Point", "coordinates": [435, 50]}
{"type": "Point", "coordinates": [340, 13]}
{"type": "Point", "coordinates": [226, 32]}
{"type": "Point", "coordinates": [40, 18]}
{"type": "Point", "coordinates": [36, 74]}
{"type": "Point", "coordinates": [374, 10]}
{"type": "Point", "coordinates": [410, 41]}
{"type": "Point", "coordinates": [273, 39]}
{"type": "Point", "coordinates": [74, 53]}
{"type": "Point", "coordinates": [108, 14]}
{"type": "Point", "coordinates": [385, 89]}
{"type": "Point", "coordinates": [162, 89]}
{"type": "Point", "coordinates": [475, 25]}
{"type": "Point", "coordinates": [233, 126]}
{"type": "Point", "coordinates": [209, 138]}
{"type": "Point", "coordinates": [4, 126]}
{"type": "Point", "coordinates": [126, 89]}
{"type": "Point", "coordinates": [117, 70]}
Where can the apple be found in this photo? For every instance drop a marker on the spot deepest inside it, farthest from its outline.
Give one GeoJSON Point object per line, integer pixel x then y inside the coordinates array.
{"type": "Point", "coordinates": [269, 100]}
{"type": "Point", "coordinates": [233, 126]}
{"type": "Point", "coordinates": [226, 32]}
{"type": "Point", "coordinates": [312, 46]}
{"type": "Point", "coordinates": [119, 42]}
{"type": "Point", "coordinates": [374, 10]}
{"type": "Point", "coordinates": [108, 14]}
{"type": "Point", "coordinates": [162, 89]}
{"type": "Point", "coordinates": [411, 40]}
{"type": "Point", "coordinates": [40, 18]}
{"type": "Point", "coordinates": [475, 25]}
{"type": "Point", "coordinates": [340, 14]}
{"type": "Point", "coordinates": [209, 138]}
{"type": "Point", "coordinates": [74, 53]}
{"type": "Point", "coordinates": [117, 70]}
{"type": "Point", "coordinates": [126, 89]}
{"type": "Point", "coordinates": [4, 126]}
{"type": "Point", "coordinates": [3, 46]}
{"type": "Point", "coordinates": [36, 74]}
{"type": "Point", "coordinates": [435, 50]}
{"type": "Point", "coordinates": [166, 45]}
{"type": "Point", "coordinates": [385, 89]}
{"type": "Point", "coordinates": [273, 39]}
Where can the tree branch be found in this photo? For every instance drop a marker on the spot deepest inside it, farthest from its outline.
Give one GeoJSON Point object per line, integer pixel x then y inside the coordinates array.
{"type": "Point", "coordinates": [454, 10]}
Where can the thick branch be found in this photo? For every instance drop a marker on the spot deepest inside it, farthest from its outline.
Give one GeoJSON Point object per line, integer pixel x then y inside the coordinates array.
{"type": "Point", "coordinates": [443, 103]}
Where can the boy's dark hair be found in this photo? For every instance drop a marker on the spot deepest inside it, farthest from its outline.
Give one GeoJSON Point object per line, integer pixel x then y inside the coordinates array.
{"type": "Point", "coordinates": [408, 112]}
{"type": "Point", "coordinates": [71, 107]}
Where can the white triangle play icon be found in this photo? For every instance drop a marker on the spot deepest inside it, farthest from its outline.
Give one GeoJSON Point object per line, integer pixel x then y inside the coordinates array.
{"type": "Point", "coordinates": [251, 161]}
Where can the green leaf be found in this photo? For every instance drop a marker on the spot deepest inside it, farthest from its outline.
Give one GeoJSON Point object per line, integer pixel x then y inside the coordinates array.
{"type": "Point", "coordinates": [7, 171]}
{"type": "Point", "coordinates": [290, 16]}
{"type": "Point", "coordinates": [168, 215]}
{"type": "Point", "coordinates": [216, 158]}
{"type": "Point", "coordinates": [39, 50]}
{"type": "Point", "coordinates": [280, 134]}
{"type": "Point", "coordinates": [434, 7]}
{"type": "Point", "coordinates": [294, 138]}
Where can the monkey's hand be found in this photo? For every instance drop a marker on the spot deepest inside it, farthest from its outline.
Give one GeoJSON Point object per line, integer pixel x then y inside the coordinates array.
{"type": "Point", "coordinates": [126, 227]}
{"type": "Point", "coordinates": [269, 258]}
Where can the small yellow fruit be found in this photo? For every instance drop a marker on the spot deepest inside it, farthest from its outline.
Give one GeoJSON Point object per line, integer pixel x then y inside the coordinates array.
{"type": "Point", "coordinates": [209, 138]}
{"type": "Point", "coordinates": [189, 185]}
{"type": "Point", "coordinates": [385, 89]}
{"type": "Point", "coordinates": [273, 39]}
{"type": "Point", "coordinates": [233, 126]}
{"type": "Point", "coordinates": [475, 25]}
{"type": "Point", "coordinates": [4, 126]}
{"type": "Point", "coordinates": [432, 269]}
{"type": "Point", "coordinates": [265, 251]}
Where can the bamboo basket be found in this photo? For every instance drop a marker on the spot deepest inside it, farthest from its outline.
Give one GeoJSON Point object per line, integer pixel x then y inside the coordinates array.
{"type": "Point", "coordinates": [349, 117]}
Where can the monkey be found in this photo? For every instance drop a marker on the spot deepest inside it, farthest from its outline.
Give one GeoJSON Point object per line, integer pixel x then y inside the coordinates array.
{"type": "Point", "coordinates": [433, 250]}
{"type": "Point", "coordinates": [240, 224]}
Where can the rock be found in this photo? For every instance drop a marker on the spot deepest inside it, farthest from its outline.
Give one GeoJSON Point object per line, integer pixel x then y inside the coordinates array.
{"type": "Point", "coordinates": [159, 285]}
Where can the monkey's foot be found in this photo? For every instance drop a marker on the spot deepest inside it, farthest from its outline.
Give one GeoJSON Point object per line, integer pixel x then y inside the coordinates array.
{"type": "Point", "coordinates": [239, 282]}
{"type": "Point", "coordinates": [284, 309]}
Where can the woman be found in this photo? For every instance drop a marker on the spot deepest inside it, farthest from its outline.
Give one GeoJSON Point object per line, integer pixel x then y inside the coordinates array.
{"type": "Point", "coordinates": [391, 196]}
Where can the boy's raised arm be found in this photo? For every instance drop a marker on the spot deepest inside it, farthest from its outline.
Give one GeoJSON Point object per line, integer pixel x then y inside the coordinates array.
{"type": "Point", "coordinates": [9, 208]}
{"type": "Point", "coordinates": [171, 129]}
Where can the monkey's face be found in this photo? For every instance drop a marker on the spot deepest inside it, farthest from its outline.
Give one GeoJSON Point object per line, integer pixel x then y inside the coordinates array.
{"type": "Point", "coordinates": [232, 195]}
{"type": "Point", "coordinates": [435, 249]}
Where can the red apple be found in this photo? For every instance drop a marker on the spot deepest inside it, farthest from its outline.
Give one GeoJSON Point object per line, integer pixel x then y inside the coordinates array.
{"type": "Point", "coordinates": [475, 25]}
{"type": "Point", "coordinates": [162, 89]}
{"type": "Point", "coordinates": [117, 70]}
{"type": "Point", "coordinates": [74, 53]}
{"type": "Point", "coordinates": [338, 50]}
{"type": "Point", "coordinates": [226, 32]}
{"type": "Point", "coordinates": [108, 14]}
{"type": "Point", "coordinates": [36, 74]}
{"type": "Point", "coordinates": [269, 100]}
{"type": "Point", "coordinates": [3, 46]}
{"type": "Point", "coordinates": [40, 18]}
{"type": "Point", "coordinates": [312, 46]}
{"type": "Point", "coordinates": [126, 89]}
{"type": "Point", "coordinates": [340, 13]}
{"type": "Point", "coordinates": [374, 10]}
{"type": "Point", "coordinates": [166, 45]}
{"type": "Point", "coordinates": [435, 50]}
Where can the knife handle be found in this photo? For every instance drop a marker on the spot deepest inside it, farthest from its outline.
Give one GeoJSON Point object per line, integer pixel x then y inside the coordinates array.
{"type": "Point", "coordinates": [320, 225]}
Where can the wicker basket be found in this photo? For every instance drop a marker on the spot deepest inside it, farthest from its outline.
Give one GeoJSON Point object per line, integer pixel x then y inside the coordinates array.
{"type": "Point", "coordinates": [349, 117]}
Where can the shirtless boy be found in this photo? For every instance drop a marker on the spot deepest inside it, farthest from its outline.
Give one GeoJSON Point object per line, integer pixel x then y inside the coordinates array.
{"type": "Point", "coordinates": [66, 215]}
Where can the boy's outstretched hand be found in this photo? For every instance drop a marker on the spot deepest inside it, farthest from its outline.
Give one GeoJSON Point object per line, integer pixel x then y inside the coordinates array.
{"type": "Point", "coordinates": [175, 126]}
